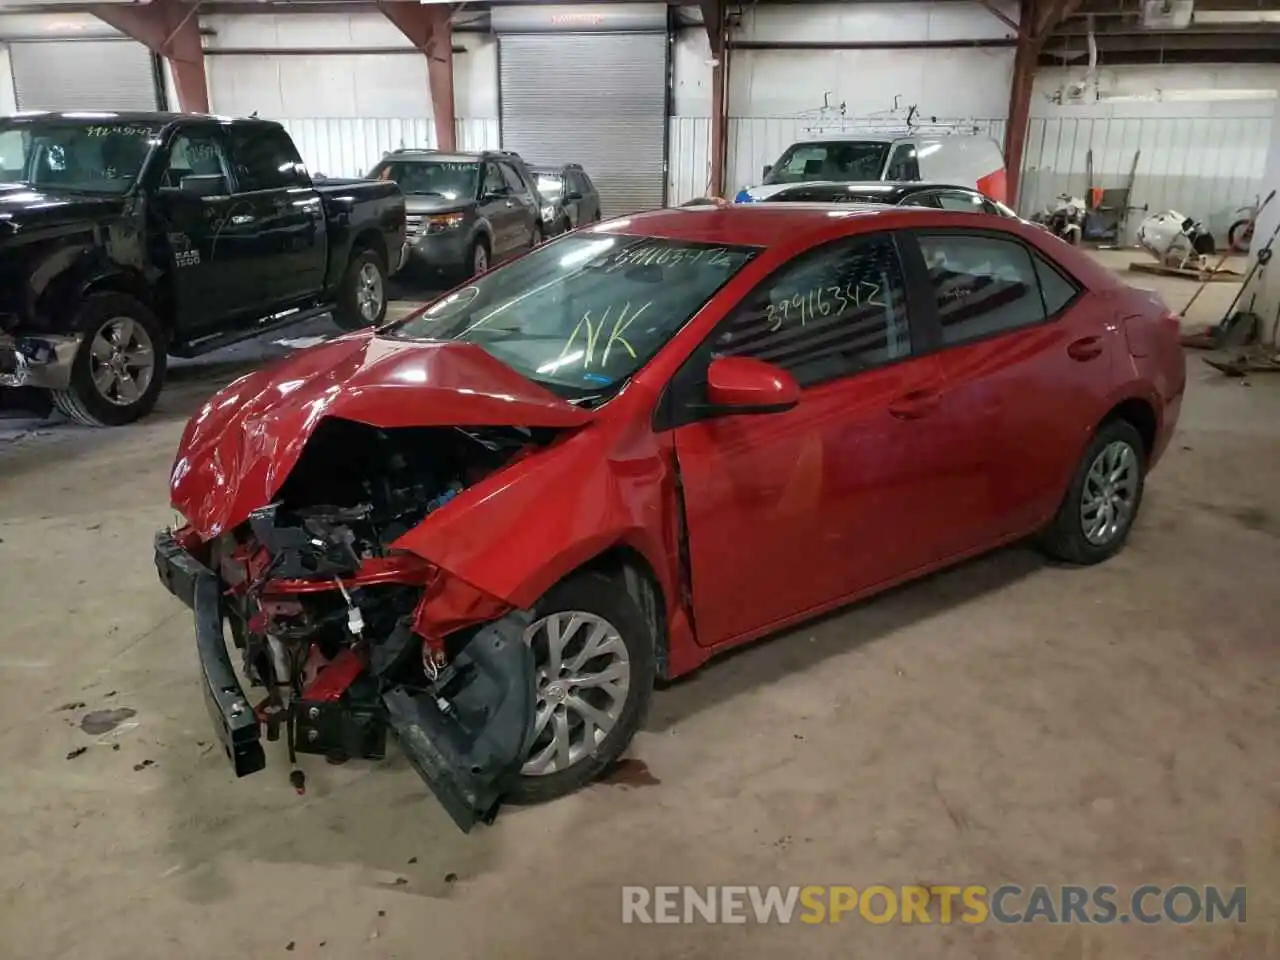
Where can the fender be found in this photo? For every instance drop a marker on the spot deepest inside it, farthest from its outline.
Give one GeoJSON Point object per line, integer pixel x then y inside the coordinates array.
{"type": "Point", "coordinates": [550, 532]}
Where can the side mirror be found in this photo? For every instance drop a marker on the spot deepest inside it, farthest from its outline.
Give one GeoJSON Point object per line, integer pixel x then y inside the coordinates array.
{"type": "Point", "coordinates": [768, 168]}
{"type": "Point", "coordinates": [199, 185]}
{"type": "Point", "coordinates": [746, 385]}
{"type": "Point", "coordinates": [573, 195]}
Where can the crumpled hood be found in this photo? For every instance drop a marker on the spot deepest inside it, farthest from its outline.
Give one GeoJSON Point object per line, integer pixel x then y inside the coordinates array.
{"type": "Point", "coordinates": [237, 451]}
{"type": "Point", "coordinates": [23, 208]}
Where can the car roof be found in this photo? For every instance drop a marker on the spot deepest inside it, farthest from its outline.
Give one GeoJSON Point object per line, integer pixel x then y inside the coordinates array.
{"type": "Point", "coordinates": [766, 224]}
{"type": "Point", "coordinates": [125, 116]}
{"type": "Point", "coordinates": [424, 156]}
{"type": "Point", "coordinates": [893, 189]}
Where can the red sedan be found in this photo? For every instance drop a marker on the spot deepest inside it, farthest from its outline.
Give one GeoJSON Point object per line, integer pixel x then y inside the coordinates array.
{"type": "Point", "coordinates": [488, 528]}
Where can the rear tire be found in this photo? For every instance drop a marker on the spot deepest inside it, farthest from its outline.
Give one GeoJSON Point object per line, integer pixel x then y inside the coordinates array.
{"type": "Point", "coordinates": [1102, 502]}
{"type": "Point", "coordinates": [362, 299]}
{"type": "Point", "coordinates": [596, 599]}
{"type": "Point", "coordinates": [119, 369]}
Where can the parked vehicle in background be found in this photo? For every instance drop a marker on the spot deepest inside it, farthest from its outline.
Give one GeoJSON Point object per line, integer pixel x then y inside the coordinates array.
{"type": "Point", "coordinates": [466, 211]}
{"type": "Point", "coordinates": [569, 198]}
{"type": "Point", "coordinates": [940, 196]}
{"type": "Point", "coordinates": [125, 237]}
{"type": "Point", "coordinates": [969, 160]}
{"type": "Point", "coordinates": [490, 527]}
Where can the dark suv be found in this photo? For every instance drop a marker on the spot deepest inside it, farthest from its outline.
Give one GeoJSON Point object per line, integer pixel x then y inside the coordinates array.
{"type": "Point", "coordinates": [569, 198]}
{"type": "Point", "coordinates": [464, 211]}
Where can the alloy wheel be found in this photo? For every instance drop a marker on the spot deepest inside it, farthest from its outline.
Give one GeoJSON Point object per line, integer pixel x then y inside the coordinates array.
{"type": "Point", "coordinates": [1110, 489]}
{"type": "Point", "coordinates": [369, 292]}
{"type": "Point", "coordinates": [122, 361]}
{"type": "Point", "coordinates": [480, 259]}
{"type": "Point", "coordinates": [583, 676]}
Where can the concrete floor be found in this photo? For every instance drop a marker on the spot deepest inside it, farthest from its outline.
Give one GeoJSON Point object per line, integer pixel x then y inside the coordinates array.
{"type": "Point", "coordinates": [1006, 721]}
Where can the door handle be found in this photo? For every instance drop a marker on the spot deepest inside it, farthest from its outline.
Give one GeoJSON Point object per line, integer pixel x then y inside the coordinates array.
{"type": "Point", "coordinates": [915, 404]}
{"type": "Point", "coordinates": [241, 218]}
{"type": "Point", "coordinates": [1086, 348]}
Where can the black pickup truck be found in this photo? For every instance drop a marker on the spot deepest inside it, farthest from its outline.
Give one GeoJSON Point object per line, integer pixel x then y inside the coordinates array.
{"type": "Point", "coordinates": [129, 237]}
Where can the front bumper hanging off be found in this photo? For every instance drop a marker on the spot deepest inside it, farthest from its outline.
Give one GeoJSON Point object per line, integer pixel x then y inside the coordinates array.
{"type": "Point", "coordinates": [38, 361]}
{"type": "Point", "coordinates": [467, 740]}
{"type": "Point", "coordinates": [234, 720]}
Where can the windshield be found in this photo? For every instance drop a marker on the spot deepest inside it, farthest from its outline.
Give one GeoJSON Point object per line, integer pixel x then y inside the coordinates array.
{"type": "Point", "coordinates": [582, 314]}
{"type": "Point", "coordinates": [550, 185]}
{"type": "Point", "coordinates": [451, 179]}
{"type": "Point", "coordinates": [842, 160]}
{"type": "Point", "coordinates": [97, 156]}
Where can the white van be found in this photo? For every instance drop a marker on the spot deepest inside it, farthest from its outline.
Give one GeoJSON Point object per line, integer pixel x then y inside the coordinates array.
{"type": "Point", "coordinates": [965, 160]}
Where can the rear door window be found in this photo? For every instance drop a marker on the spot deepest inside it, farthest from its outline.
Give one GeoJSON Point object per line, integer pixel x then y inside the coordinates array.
{"type": "Point", "coordinates": [985, 285]}
{"type": "Point", "coordinates": [264, 158]}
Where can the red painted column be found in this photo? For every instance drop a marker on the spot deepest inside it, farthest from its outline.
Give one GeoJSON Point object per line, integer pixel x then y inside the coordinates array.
{"type": "Point", "coordinates": [428, 28]}
{"type": "Point", "coordinates": [713, 18]}
{"type": "Point", "coordinates": [172, 30]}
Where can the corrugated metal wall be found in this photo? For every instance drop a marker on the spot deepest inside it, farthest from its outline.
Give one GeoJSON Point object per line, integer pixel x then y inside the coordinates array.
{"type": "Point", "coordinates": [1203, 166]}
{"type": "Point", "coordinates": [350, 146]}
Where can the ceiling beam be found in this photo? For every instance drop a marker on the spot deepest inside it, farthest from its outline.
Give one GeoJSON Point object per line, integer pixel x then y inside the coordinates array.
{"type": "Point", "coordinates": [172, 30]}
{"type": "Point", "coordinates": [428, 27]}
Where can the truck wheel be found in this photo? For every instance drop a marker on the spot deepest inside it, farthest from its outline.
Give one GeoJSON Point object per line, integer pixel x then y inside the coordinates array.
{"type": "Point", "coordinates": [594, 653]}
{"type": "Point", "coordinates": [362, 300]}
{"type": "Point", "coordinates": [119, 369]}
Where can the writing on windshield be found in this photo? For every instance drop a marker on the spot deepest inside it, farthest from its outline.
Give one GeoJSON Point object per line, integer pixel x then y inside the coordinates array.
{"type": "Point", "coordinates": [452, 180]}
{"type": "Point", "coordinates": [584, 312]}
{"type": "Point", "coordinates": [92, 157]}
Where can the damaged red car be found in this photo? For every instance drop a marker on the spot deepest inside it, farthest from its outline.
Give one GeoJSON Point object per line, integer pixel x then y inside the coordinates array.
{"type": "Point", "coordinates": [488, 529]}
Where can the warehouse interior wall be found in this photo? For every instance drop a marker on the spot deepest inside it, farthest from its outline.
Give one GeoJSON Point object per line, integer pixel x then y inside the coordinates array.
{"type": "Point", "coordinates": [348, 86]}
{"type": "Point", "coordinates": [1200, 136]}
{"type": "Point", "coordinates": [777, 96]}
{"type": "Point", "coordinates": [8, 98]}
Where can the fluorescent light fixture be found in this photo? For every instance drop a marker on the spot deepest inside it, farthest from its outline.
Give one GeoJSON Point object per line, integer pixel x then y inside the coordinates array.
{"type": "Point", "coordinates": [1190, 95]}
{"type": "Point", "coordinates": [1235, 16]}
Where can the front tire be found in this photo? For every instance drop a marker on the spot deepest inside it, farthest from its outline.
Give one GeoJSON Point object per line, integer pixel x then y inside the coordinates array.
{"type": "Point", "coordinates": [119, 369]}
{"type": "Point", "coordinates": [362, 300]}
{"type": "Point", "coordinates": [1096, 515]}
{"type": "Point", "coordinates": [478, 258]}
{"type": "Point", "coordinates": [594, 657]}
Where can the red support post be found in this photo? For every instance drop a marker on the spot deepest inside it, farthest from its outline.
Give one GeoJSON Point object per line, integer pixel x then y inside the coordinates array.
{"type": "Point", "coordinates": [172, 30]}
{"type": "Point", "coordinates": [713, 17]}
{"type": "Point", "coordinates": [1037, 19]}
{"type": "Point", "coordinates": [428, 28]}
{"type": "Point", "coordinates": [1025, 59]}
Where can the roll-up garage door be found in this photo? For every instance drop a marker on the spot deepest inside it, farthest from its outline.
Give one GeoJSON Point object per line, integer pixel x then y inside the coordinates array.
{"type": "Point", "coordinates": [595, 99]}
{"type": "Point", "coordinates": [83, 75]}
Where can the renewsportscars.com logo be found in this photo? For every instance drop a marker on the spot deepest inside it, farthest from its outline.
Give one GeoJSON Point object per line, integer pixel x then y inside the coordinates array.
{"type": "Point", "coordinates": [933, 904]}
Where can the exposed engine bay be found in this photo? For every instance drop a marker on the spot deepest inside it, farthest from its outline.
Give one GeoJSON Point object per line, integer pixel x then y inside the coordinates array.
{"type": "Point", "coordinates": [324, 611]}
